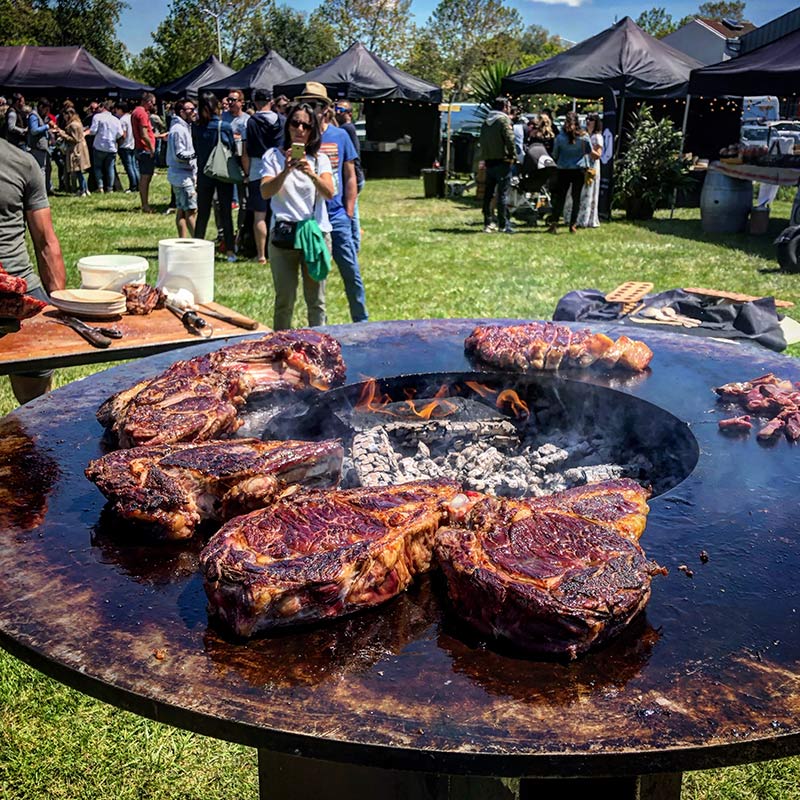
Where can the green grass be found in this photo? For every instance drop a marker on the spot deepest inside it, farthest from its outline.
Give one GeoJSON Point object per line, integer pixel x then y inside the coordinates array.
{"type": "Point", "coordinates": [420, 258]}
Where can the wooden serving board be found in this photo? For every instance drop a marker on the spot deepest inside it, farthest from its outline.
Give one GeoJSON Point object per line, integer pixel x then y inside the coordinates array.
{"type": "Point", "coordinates": [42, 343]}
{"type": "Point", "coordinates": [629, 294]}
{"type": "Point", "coordinates": [734, 296]}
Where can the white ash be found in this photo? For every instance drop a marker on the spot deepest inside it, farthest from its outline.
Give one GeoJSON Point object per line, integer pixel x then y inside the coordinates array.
{"type": "Point", "coordinates": [491, 456]}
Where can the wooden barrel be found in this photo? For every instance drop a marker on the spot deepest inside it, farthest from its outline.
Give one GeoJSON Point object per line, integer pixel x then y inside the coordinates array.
{"type": "Point", "coordinates": [480, 181]}
{"type": "Point", "coordinates": [725, 203]}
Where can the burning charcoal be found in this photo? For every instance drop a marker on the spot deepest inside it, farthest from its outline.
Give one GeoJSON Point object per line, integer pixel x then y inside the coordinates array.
{"type": "Point", "coordinates": [548, 455]}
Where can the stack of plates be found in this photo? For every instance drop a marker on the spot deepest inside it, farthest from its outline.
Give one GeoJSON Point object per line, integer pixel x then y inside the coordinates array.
{"type": "Point", "coordinates": [89, 302]}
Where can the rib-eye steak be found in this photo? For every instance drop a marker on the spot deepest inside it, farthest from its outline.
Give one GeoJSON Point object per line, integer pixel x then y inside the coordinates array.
{"type": "Point", "coordinates": [548, 346]}
{"type": "Point", "coordinates": [321, 554]}
{"type": "Point", "coordinates": [199, 399]}
{"type": "Point", "coordinates": [14, 303]}
{"type": "Point", "coordinates": [552, 578]}
{"type": "Point", "coordinates": [174, 487]}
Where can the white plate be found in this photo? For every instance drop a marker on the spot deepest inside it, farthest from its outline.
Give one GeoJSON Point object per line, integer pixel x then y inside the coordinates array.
{"type": "Point", "coordinates": [87, 297]}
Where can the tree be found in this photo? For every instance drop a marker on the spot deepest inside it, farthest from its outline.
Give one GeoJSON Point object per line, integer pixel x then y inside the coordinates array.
{"type": "Point", "coordinates": [537, 44]}
{"type": "Point", "coordinates": [188, 36]}
{"type": "Point", "coordinates": [724, 9]}
{"type": "Point", "coordinates": [424, 59]}
{"type": "Point", "coordinates": [657, 22]}
{"type": "Point", "coordinates": [20, 22]}
{"type": "Point", "coordinates": [462, 29]}
{"type": "Point", "coordinates": [383, 26]}
{"type": "Point", "coordinates": [304, 41]}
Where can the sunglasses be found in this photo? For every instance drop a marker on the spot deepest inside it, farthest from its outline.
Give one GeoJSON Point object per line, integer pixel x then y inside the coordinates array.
{"type": "Point", "coordinates": [233, 99]}
{"type": "Point", "coordinates": [343, 110]}
{"type": "Point", "coordinates": [304, 126]}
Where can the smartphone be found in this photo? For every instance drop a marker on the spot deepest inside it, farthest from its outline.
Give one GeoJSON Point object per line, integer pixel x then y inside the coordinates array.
{"type": "Point", "coordinates": [298, 151]}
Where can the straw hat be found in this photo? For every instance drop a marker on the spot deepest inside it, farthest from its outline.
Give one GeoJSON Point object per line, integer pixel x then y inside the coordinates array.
{"type": "Point", "coordinates": [315, 93]}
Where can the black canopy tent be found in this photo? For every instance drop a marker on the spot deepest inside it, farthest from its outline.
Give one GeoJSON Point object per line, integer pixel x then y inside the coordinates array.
{"type": "Point", "coordinates": [270, 69]}
{"type": "Point", "coordinates": [189, 84]}
{"type": "Point", "coordinates": [61, 70]}
{"type": "Point", "coordinates": [357, 74]}
{"type": "Point", "coordinates": [771, 69]}
{"type": "Point", "coordinates": [623, 60]}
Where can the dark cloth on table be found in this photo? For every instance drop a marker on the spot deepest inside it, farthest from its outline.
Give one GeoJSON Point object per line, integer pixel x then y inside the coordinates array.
{"type": "Point", "coordinates": [757, 320]}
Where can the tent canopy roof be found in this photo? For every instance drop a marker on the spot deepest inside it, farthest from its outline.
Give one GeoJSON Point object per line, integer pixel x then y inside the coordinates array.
{"type": "Point", "coordinates": [59, 69]}
{"type": "Point", "coordinates": [189, 84]}
{"type": "Point", "coordinates": [771, 69]}
{"type": "Point", "coordinates": [620, 59]}
{"type": "Point", "coordinates": [270, 69]}
{"type": "Point", "coordinates": [357, 74]}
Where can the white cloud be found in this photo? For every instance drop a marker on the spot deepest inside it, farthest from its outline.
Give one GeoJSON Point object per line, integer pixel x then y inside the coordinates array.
{"type": "Point", "coordinates": [571, 3]}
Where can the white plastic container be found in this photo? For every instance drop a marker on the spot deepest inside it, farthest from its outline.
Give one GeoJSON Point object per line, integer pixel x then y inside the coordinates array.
{"type": "Point", "coordinates": [187, 264]}
{"type": "Point", "coordinates": [111, 272]}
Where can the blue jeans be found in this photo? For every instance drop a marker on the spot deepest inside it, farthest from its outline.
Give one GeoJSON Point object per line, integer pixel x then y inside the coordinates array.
{"type": "Point", "coordinates": [356, 221]}
{"type": "Point", "coordinates": [346, 257]}
{"type": "Point", "coordinates": [128, 158]}
{"type": "Point", "coordinates": [498, 178]}
{"type": "Point", "coordinates": [104, 170]}
{"type": "Point", "coordinates": [81, 179]}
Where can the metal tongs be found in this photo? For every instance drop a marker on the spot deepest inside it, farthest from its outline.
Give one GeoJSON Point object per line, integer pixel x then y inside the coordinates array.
{"type": "Point", "coordinates": [192, 321]}
{"type": "Point", "coordinates": [98, 337]}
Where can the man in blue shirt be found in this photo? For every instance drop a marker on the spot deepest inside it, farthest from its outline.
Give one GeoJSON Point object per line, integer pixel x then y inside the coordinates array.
{"type": "Point", "coordinates": [337, 146]}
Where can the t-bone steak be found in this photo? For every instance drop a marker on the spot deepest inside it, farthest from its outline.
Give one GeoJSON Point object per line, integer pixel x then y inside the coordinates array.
{"type": "Point", "coordinates": [553, 575]}
{"type": "Point", "coordinates": [321, 554]}
{"type": "Point", "coordinates": [200, 399]}
{"type": "Point", "coordinates": [174, 487]}
{"type": "Point", "coordinates": [549, 346]}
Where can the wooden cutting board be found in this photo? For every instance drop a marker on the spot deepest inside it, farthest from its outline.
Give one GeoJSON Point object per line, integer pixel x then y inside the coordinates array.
{"type": "Point", "coordinates": [630, 294]}
{"type": "Point", "coordinates": [734, 296]}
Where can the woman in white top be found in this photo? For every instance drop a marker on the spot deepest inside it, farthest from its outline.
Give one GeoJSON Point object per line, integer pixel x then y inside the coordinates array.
{"type": "Point", "coordinates": [298, 189]}
{"type": "Point", "coordinates": [588, 216]}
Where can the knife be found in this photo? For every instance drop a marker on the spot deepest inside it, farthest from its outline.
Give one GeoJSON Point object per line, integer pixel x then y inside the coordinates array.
{"type": "Point", "coordinates": [192, 321]}
{"type": "Point", "coordinates": [238, 321]}
{"type": "Point", "coordinates": [92, 335]}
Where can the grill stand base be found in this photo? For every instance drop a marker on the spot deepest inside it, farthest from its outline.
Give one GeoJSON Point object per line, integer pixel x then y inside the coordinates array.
{"type": "Point", "coordinates": [285, 777]}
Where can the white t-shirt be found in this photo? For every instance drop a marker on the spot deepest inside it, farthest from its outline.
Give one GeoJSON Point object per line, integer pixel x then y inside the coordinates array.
{"type": "Point", "coordinates": [295, 200]}
{"type": "Point", "coordinates": [127, 130]}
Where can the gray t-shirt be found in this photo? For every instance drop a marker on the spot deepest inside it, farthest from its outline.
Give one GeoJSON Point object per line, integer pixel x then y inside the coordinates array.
{"type": "Point", "coordinates": [22, 189]}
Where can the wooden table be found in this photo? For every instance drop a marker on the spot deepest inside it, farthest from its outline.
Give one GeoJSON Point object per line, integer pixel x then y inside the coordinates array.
{"type": "Point", "coordinates": [777, 176]}
{"type": "Point", "coordinates": [42, 343]}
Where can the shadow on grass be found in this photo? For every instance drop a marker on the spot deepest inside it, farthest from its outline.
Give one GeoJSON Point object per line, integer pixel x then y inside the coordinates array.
{"type": "Point", "coordinates": [476, 229]}
{"type": "Point", "coordinates": [692, 229]}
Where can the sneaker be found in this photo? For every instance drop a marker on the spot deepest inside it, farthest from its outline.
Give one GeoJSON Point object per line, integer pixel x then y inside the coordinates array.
{"type": "Point", "coordinates": [232, 257]}
{"type": "Point", "coordinates": [508, 229]}
{"type": "Point", "coordinates": [490, 227]}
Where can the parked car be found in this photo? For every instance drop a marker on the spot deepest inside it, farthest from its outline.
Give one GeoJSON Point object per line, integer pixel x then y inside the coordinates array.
{"type": "Point", "coordinates": [752, 135]}
{"type": "Point", "coordinates": [785, 127]}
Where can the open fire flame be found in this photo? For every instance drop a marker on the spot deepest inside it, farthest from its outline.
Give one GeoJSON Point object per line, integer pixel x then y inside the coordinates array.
{"type": "Point", "coordinates": [373, 400]}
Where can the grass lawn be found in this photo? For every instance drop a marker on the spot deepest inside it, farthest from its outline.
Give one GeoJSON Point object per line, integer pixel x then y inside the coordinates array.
{"type": "Point", "coordinates": [420, 258]}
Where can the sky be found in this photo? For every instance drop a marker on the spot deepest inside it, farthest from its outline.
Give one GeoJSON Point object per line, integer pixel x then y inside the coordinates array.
{"type": "Point", "coordinates": [574, 20]}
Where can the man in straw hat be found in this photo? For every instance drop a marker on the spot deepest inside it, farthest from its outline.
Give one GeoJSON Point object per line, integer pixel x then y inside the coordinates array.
{"type": "Point", "coordinates": [337, 146]}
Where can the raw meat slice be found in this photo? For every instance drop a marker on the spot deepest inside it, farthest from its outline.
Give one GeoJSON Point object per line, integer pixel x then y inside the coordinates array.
{"type": "Point", "coordinates": [174, 487]}
{"type": "Point", "coordinates": [321, 554]}
{"type": "Point", "coordinates": [552, 576]}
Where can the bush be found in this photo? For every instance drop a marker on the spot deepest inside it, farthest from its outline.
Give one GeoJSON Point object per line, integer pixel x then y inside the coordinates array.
{"type": "Point", "coordinates": [652, 167]}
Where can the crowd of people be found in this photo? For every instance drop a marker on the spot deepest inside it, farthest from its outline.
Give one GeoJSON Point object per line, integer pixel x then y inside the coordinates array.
{"type": "Point", "coordinates": [273, 172]}
{"type": "Point", "coordinates": [507, 136]}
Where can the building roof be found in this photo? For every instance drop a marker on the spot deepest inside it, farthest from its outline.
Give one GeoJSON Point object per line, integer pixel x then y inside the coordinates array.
{"type": "Point", "coordinates": [726, 30]}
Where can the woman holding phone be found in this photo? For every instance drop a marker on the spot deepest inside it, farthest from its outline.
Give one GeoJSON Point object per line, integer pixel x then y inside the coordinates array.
{"type": "Point", "coordinates": [298, 179]}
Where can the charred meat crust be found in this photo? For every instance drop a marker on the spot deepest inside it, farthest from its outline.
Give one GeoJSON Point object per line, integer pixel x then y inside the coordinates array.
{"type": "Point", "coordinates": [553, 576]}
{"type": "Point", "coordinates": [549, 346]}
{"type": "Point", "coordinates": [321, 554]}
{"type": "Point", "coordinates": [174, 487]}
{"type": "Point", "coordinates": [199, 399]}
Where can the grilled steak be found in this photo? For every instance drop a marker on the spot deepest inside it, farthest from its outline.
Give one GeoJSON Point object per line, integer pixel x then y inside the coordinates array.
{"type": "Point", "coordinates": [548, 346]}
{"type": "Point", "coordinates": [554, 575]}
{"type": "Point", "coordinates": [199, 399]}
{"type": "Point", "coordinates": [322, 554]}
{"type": "Point", "coordinates": [141, 299]}
{"type": "Point", "coordinates": [14, 303]}
{"type": "Point", "coordinates": [174, 487]}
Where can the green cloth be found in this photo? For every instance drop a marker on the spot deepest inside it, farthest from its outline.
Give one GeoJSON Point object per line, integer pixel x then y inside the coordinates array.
{"type": "Point", "coordinates": [309, 238]}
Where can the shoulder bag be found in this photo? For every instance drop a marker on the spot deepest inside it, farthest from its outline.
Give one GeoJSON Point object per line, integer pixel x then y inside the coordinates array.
{"type": "Point", "coordinates": [283, 234]}
{"type": "Point", "coordinates": [222, 164]}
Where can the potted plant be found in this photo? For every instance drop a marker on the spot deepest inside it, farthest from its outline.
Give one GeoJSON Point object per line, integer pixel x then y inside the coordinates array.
{"type": "Point", "coordinates": [652, 168]}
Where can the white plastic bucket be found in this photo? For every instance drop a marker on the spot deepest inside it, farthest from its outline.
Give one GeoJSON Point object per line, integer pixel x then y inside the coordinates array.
{"type": "Point", "coordinates": [111, 272]}
{"type": "Point", "coordinates": [187, 264]}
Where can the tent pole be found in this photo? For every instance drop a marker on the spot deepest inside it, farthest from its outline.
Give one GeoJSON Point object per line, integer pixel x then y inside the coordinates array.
{"type": "Point", "coordinates": [447, 146]}
{"type": "Point", "coordinates": [620, 124]}
{"type": "Point", "coordinates": [683, 147]}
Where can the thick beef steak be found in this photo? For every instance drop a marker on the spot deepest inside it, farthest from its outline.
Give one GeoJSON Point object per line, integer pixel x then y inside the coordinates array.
{"type": "Point", "coordinates": [199, 399]}
{"type": "Point", "coordinates": [321, 554]}
{"type": "Point", "coordinates": [14, 303]}
{"type": "Point", "coordinates": [553, 575]}
{"type": "Point", "coordinates": [548, 346]}
{"type": "Point", "coordinates": [174, 487]}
